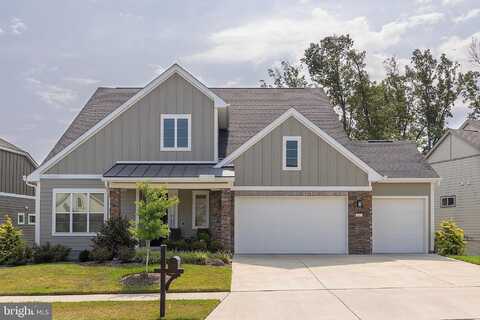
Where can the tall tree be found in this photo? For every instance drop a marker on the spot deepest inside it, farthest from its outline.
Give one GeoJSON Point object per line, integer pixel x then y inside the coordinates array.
{"type": "Point", "coordinates": [471, 92]}
{"type": "Point", "coordinates": [401, 115]}
{"type": "Point", "coordinates": [330, 65]}
{"type": "Point", "coordinates": [474, 51]}
{"type": "Point", "coordinates": [433, 87]}
{"type": "Point", "coordinates": [287, 76]}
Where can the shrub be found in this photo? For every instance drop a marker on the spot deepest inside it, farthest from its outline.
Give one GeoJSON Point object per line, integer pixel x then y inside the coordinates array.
{"type": "Point", "coordinates": [225, 256]}
{"type": "Point", "coordinates": [215, 246]}
{"type": "Point", "coordinates": [49, 253]}
{"type": "Point", "coordinates": [450, 240]}
{"type": "Point", "coordinates": [101, 254]}
{"type": "Point", "coordinates": [115, 234]}
{"type": "Point", "coordinates": [126, 254]}
{"type": "Point", "coordinates": [203, 235]}
{"type": "Point", "coordinates": [189, 257]}
{"type": "Point", "coordinates": [13, 250]}
{"type": "Point", "coordinates": [84, 256]}
{"type": "Point", "coordinates": [199, 245]}
{"type": "Point", "coordinates": [181, 245]}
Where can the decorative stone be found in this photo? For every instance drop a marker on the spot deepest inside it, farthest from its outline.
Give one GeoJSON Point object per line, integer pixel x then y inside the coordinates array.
{"type": "Point", "coordinates": [115, 200]}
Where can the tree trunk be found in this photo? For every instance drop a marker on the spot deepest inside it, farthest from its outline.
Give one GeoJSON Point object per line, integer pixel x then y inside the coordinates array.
{"type": "Point", "coordinates": [148, 256]}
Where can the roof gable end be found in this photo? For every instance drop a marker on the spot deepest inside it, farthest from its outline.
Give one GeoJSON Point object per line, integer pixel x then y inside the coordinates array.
{"type": "Point", "coordinates": [292, 112]}
{"type": "Point", "coordinates": [174, 69]}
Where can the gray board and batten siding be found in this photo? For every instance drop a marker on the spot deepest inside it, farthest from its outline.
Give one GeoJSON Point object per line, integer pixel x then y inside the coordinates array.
{"type": "Point", "coordinates": [321, 164]}
{"type": "Point", "coordinates": [135, 134]}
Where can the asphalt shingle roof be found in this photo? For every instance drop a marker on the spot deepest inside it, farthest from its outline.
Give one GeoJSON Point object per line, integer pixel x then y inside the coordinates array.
{"type": "Point", "coordinates": [470, 136]}
{"type": "Point", "coordinates": [251, 110]}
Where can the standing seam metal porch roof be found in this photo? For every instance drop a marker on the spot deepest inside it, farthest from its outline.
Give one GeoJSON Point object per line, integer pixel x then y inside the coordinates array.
{"type": "Point", "coordinates": [156, 170]}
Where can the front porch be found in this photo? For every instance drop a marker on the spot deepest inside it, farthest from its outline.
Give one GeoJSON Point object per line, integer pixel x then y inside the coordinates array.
{"type": "Point", "coordinates": [205, 201]}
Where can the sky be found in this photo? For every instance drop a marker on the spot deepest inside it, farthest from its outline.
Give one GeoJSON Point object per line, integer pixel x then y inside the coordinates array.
{"type": "Point", "coordinates": [55, 53]}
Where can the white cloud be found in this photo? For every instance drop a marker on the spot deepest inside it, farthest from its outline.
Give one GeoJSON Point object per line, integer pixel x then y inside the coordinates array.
{"type": "Point", "coordinates": [17, 26]}
{"type": "Point", "coordinates": [55, 96]}
{"type": "Point", "coordinates": [1, 31]}
{"type": "Point", "coordinates": [157, 69]}
{"type": "Point", "coordinates": [467, 16]}
{"type": "Point", "coordinates": [456, 48]}
{"type": "Point", "coordinates": [281, 37]}
{"type": "Point", "coordinates": [82, 81]}
{"type": "Point", "coordinates": [451, 2]}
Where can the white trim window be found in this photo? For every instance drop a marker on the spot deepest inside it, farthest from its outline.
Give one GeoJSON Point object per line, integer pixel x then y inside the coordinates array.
{"type": "Point", "coordinates": [200, 209]}
{"type": "Point", "coordinates": [173, 211]}
{"type": "Point", "coordinates": [78, 211]}
{"type": "Point", "coordinates": [448, 201]}
{"type": "Point", "coordinates": [292, 153]}
{"type": "Point", "coordinates": [31, 218]}
{"type": "Point", "coordinates": [20, 218]}
{"type": "Point", "coordinates": [176, 132]}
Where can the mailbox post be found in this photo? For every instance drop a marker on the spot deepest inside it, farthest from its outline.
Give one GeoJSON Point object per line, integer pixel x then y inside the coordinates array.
{"type": "Point", "coordinates": [167, 275]}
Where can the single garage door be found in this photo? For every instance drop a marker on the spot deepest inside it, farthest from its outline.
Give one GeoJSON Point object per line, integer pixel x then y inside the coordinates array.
{"type": "Point", "coordinates": [399, 225]}
{"type": "Point", "coordinates": [290, 224]}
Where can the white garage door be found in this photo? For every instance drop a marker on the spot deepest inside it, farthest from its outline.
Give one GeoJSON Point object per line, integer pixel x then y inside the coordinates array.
{"type": "Point", "coordinates": [290, 225]}
{"type": "Point", "coordinates": [399, 225]}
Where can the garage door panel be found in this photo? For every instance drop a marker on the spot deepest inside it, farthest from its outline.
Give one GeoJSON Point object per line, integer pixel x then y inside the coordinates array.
{"type": "Point", "coordinates": [290, 225]}
{"type": "Point", "coordinates": [399, 225]}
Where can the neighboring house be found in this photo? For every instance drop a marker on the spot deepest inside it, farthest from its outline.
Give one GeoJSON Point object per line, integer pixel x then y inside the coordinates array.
{"type": "Point", "coordinates": [456, 158]}
{"type": "Point", "coordinates": [265, 170]}
{"type": "Point", "coordinates": [16, 198]}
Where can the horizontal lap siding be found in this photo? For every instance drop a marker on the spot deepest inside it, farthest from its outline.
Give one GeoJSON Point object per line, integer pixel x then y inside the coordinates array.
{"type": "Point", "coordinates": [135, 135]}
{"type": "Point", "coordinates": [46, 211]}
{"type": "Point", "coordinates": [12, 169]}
{"type": "Point", "coordinates": [321, 164]}
{"type": "Point", "coordinates": [12, 206]}
{"type": "Point", "coordinates": [462, 179]}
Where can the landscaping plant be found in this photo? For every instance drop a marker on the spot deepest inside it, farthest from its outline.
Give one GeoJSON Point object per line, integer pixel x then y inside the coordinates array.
{"type": "Point", "coordinates": [13, 250]}
{"type": "Point", "coordinates": [115, 234]}
{"type": "Point", "coordinates": [152, 208]}
{"type": "Point", "coordinates": [450, 239]}
{"type": "Point", "coordinates": [48, 253]}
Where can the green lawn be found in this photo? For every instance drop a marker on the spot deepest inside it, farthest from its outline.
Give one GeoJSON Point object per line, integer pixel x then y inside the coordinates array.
{"type": "Point", "coordinates": [72, 278]}
{"type": "Point", "coordinates": [133, 310]}
{"type": "Point", "coordinates": [471, 259]}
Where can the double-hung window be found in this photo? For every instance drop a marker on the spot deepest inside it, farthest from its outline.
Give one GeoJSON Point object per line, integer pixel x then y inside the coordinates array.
{"type": "Point", "coordinates": [175, 132]}
{"type": "Point", "coordinates": [21, 218]}
{"type": "Point", "coordinates": [292, 153]}
{"type": "Point", "coordinates": [78, 212]}
{"type": "Point", "coordinates": [200, 208]}
{"type": "Point", "coordinates": [448, 201]}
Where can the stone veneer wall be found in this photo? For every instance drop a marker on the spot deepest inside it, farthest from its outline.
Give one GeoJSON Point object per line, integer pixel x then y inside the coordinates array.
{"type": "Point", "coordinates": [115, 201]}
{"type": "Point", "coordinates": [221, 224]}
{"type": "Point", "coordinates": [360, 223]}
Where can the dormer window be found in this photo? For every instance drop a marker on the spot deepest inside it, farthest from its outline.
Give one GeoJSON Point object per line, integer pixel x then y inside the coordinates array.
{"type": "Point", "coordinates": [176, 132]}
{"type": "Point", "coordinates": [292, 153]}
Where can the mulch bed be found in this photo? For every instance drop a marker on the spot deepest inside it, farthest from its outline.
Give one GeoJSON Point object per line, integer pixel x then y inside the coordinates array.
{"type": "Point", "coordinates": [141, 279]}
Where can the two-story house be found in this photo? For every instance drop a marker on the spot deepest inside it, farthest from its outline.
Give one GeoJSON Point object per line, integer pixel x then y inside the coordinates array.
{"type": "Point", "coordinates": [456, 158]}
{"type": "Point", "coordinates": [265, 170]}
{"type": "Point", "coordinates": [17, 199]}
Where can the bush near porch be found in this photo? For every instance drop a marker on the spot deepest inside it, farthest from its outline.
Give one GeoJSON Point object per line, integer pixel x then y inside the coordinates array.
{"type": "Point", "coordinates": [88, 278]}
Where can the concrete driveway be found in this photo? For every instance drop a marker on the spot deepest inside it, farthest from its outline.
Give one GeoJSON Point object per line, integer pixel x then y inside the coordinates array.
{"type": "Point", "coordinates": [351, 287]}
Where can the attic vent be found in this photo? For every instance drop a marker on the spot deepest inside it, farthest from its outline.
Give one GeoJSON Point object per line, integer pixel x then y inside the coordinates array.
{"type": "Point", "coordinates": [380, 141]}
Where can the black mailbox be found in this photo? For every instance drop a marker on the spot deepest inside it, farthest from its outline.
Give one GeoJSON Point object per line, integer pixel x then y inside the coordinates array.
{"type": "Point", "coordinates": [173, 265]}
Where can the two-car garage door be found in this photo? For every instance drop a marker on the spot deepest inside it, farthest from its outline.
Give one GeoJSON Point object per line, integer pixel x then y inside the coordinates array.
{"type": "Point", "coordinates": [290, 225]}
{"type": "Point", "coordinates": [319, 225]}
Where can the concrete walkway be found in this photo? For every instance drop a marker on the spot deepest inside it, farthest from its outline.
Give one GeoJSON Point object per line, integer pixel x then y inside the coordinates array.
{"type": "Point", "coordinates": [116, 297]}
{"type": "Point", "coordinates": [421, 287]}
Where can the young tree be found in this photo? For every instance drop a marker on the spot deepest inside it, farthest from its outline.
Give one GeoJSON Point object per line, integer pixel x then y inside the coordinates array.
{"type": "Point", "coordinates": [12, 245]}
{"type": "Point", "coordinates": [287, 76]}
{"type": "Point", "coordinates": [151, 210]}
{"type": "Point", "coordinates": [330, 65]}
{"type": "Point", "coordinates": [433, 87]}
